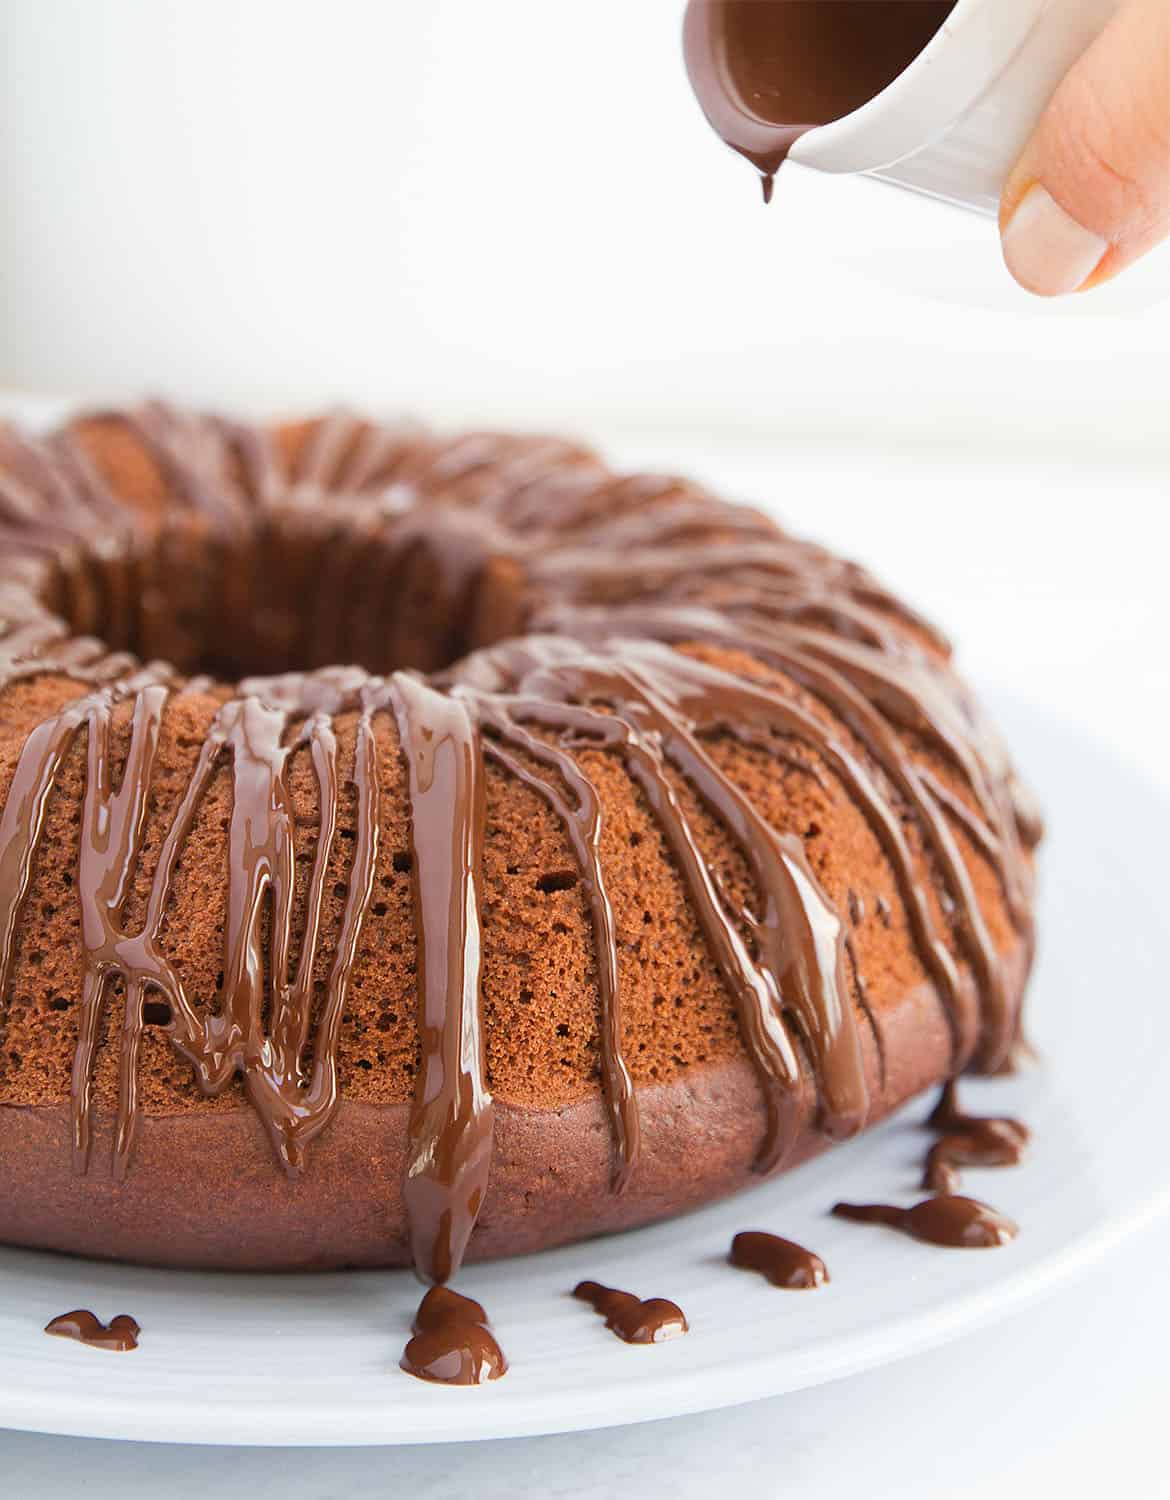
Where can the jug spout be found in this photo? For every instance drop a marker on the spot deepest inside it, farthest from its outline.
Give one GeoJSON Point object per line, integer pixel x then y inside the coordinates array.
{"type": "Point", "coordinates": [949, 121]}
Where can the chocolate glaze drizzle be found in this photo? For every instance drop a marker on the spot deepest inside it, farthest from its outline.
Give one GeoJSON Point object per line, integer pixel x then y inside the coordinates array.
{"type": "Point", "coordinates": [968, 1141]}
{"type": "Point", "coordinates": [767, 71]}
{"type": "Point", "coordinates": [615, 584]}
{"type": "Point", "coordinates": [955, 1222]}
{"type": "Point", "coordinates": [783, 1262]}
{"type": "Point", "coordinates": [120, 1334]}
{"type": "Point", "coordinates": [452, 1343]}
{"type": "Point", "coordinates": [451, 1123]}
{"type": "Point", "coordinates": [635, 1321]}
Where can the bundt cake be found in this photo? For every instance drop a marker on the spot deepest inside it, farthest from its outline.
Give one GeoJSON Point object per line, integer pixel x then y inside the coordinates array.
{"type": "Point", "coordinates": [634, 846]}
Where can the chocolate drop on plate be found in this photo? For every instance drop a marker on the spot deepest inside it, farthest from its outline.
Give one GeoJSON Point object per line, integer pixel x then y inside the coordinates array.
{"type": "Point", "coordinates": [767, 71]}
{"type": "Point", "coordinates": [969, 1141]}
{"type": "Point", "coordinates": [948, 1220]}
{"type": "Point", "coordinates": [783, 1262]}
{"type": "Point", "coordinates": [452, 1343]}
{"type": "Point", "coordinates": [120, 1334]}
{"type": "Point", "coordinates": [652, 1321]}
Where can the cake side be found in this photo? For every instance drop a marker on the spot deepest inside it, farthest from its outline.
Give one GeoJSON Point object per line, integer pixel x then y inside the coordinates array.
{"type": "Point", "coordinates": [550, 1182]}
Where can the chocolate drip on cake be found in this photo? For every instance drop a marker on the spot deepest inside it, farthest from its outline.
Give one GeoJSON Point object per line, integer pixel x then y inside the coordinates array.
{"type": "Point", "coordinates": [451, 1124]}
{"type": "Point", "coordinates": [635, 624]}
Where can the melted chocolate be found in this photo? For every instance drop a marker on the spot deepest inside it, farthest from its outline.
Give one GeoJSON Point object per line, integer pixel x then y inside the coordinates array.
{"type": "Point", "coordinates": [783, 1262]}
{"type": "Point", "coordinates": [968, 1141]}
{"type": "Point", "coordinates": [635, 1321]}
{"type": "Point", "coordinates": [452, 1343]}
{"type": "Point", "coordinates": [767, 71]}
{"type": "Point", "coordinates": [120, 1334]}
{"type": "Point", "coordinates": [618, 580]}
{"type": "Point", "coordinates": [451, 1123]}
{"type": "Point", "coordinates": [955, 1222]}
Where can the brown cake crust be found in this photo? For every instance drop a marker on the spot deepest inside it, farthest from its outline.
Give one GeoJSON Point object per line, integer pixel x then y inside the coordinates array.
{"type": "Point", "coordinates": [550, 1181]}
{"type": "Point", "coordinates": [202, 1188]}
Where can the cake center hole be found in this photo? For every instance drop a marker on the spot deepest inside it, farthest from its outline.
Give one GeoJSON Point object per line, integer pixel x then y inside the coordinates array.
{"type": "Point", "coordinates": [298, 593]}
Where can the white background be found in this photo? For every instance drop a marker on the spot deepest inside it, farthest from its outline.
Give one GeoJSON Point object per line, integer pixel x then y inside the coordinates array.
{"type": "Point", "coordinates": [510, 209]}
{"type": "Point", "coordinates": [512, 212]}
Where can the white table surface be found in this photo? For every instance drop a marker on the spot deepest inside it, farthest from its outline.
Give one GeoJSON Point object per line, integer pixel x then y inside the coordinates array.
{"type": "Point", "coordinates": [1053, 578]}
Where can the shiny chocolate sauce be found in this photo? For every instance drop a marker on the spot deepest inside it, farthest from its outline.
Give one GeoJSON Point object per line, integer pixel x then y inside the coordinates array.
{"type": "Point", "coordinates": [120, 1334]}
{"type": "Point", "coordinates": [452, 1343]}
{"type": "Point", "coordinates": [957, 1223]}
{"type": "Point", "coordinates": [652, 1321]}
{"type": "Point", "coordinates": [969, 1141]}
{"type": "Point", "coordinates": [766, 71]}
{"type": "Point", "coordinates": [783, 1262]}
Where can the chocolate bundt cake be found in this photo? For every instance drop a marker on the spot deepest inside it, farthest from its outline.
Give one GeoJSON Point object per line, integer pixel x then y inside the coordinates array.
{"type": "Point", "coordinates": [637, 847]}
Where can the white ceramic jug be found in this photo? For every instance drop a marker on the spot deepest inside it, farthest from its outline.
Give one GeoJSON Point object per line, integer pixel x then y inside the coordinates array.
{"type": "Point", "coordinates": [954, 122]}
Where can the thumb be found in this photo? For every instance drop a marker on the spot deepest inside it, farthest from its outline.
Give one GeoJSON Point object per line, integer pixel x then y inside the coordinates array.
{"type": "Point", "coordinates": [1091, 191]}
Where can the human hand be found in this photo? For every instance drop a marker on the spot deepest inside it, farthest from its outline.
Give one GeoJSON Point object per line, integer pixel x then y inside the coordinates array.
{"type": "Point", "coordinates": [1091, 191]}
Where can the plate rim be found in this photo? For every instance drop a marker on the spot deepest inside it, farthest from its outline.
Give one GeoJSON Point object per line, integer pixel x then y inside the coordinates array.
{"type": "Point", "coordinates": [757, 1377]}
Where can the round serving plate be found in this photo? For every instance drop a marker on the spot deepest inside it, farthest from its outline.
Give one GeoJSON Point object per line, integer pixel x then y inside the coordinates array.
{"type": "Point", "coordinates": [313, 1359]}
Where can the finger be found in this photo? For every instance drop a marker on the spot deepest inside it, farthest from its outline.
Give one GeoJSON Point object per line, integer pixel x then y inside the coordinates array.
{"type": "Point", "coordinates": [1091, 191]}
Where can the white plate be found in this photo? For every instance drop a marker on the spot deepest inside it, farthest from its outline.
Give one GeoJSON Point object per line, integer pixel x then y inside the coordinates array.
{"type": "Point", "coordinates": [313, 1360]}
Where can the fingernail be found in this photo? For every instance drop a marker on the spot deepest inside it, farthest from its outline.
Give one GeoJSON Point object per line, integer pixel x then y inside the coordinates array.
{"type": "Point", "coordinates": [1046, 250]}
